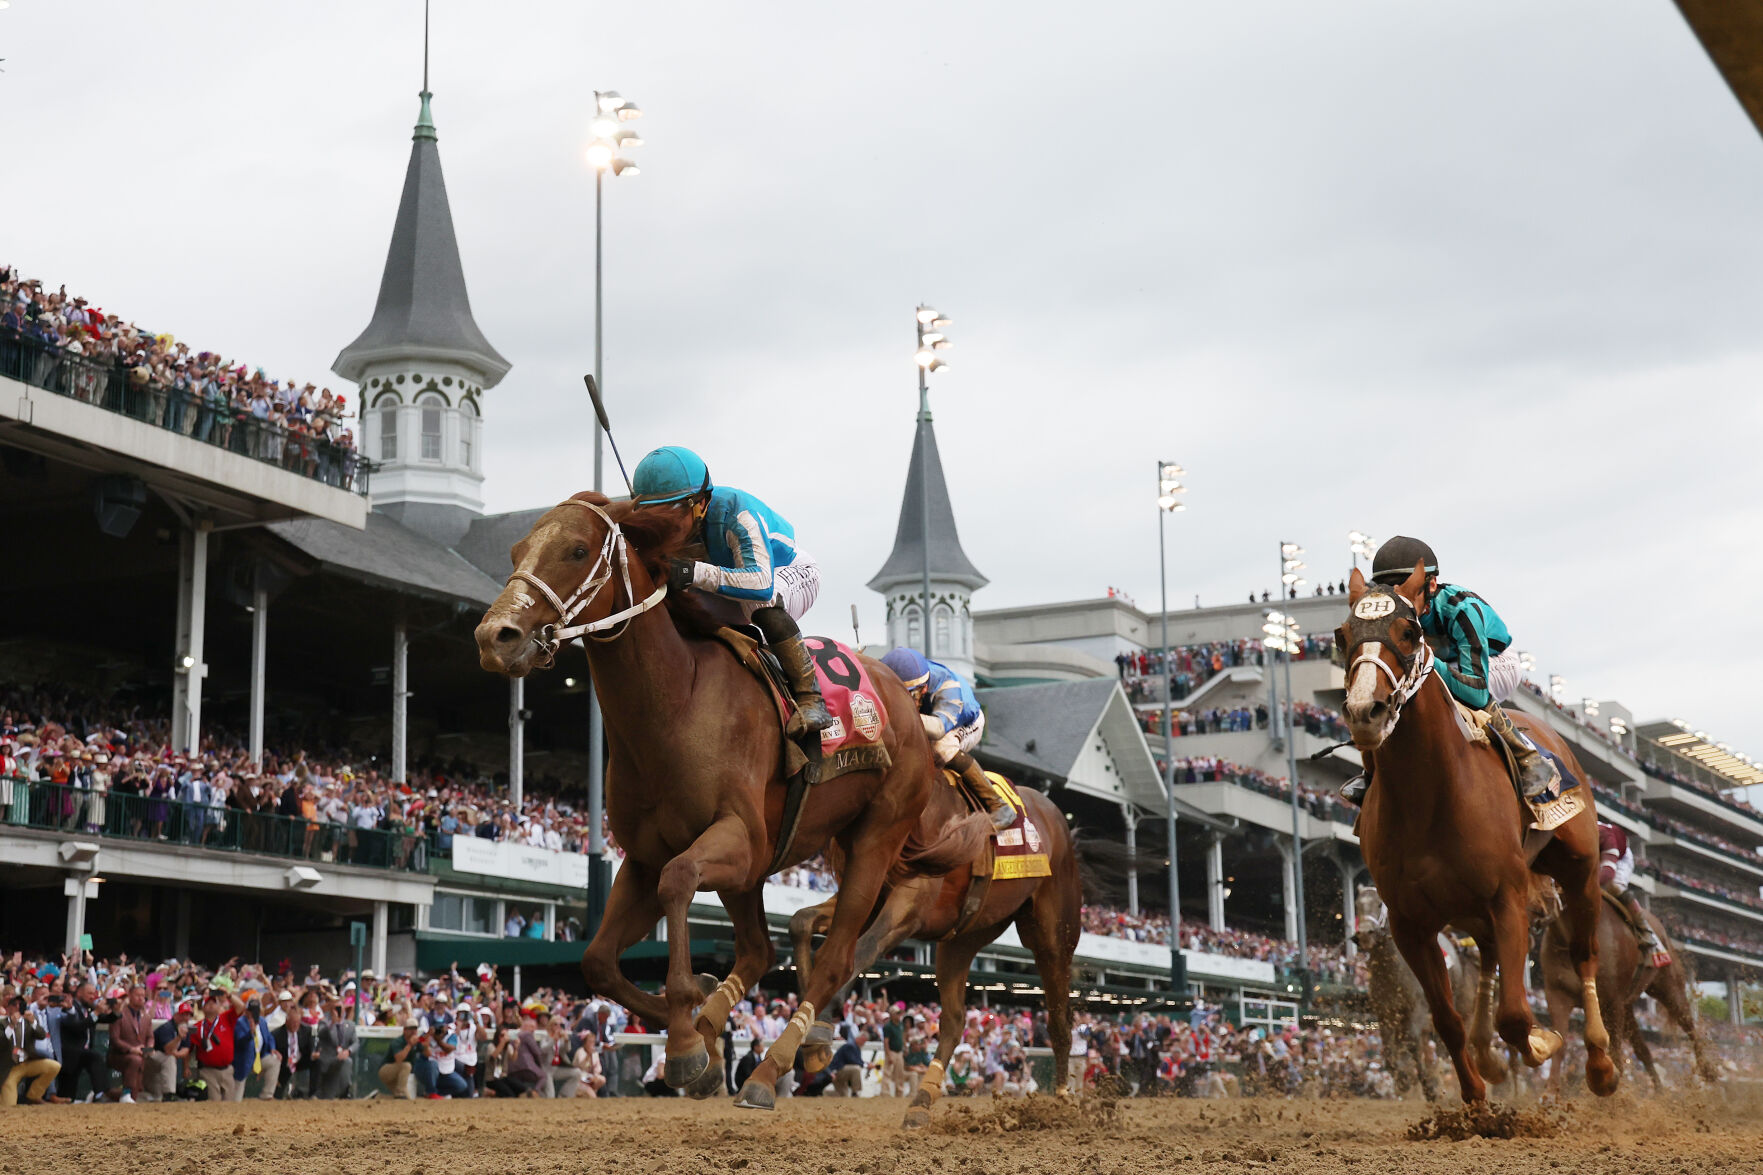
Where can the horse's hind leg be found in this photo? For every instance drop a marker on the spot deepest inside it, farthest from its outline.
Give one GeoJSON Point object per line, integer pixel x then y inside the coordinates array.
{"type": "Point", "coordinates": [632, 910]}
{"type": "Point", "coordinates": [719, 859]}
{"type": "Point", "coordinates": [1560, 1016]}
{"type": "Point", "coordinates": [954, 959]}
{"type": "Point", "coordinates": [804, 925]}
{"type": "Point", "coordinates": [1580, 906]}
{"type": "Point", "coordinates": [1670, 988]}
{"type": "Point", "coordinates": [1643, 1051]}
{"type": "Point", "coordinates": [1049, 928]}
{"type": "Point", "coordinates": [899, 919]}
{"type": "Point", "coordinates": [1419, 947]}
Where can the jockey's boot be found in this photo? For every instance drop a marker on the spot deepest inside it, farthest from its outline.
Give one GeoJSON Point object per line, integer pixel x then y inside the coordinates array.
{"type": "Point", "coordinates": [785, 639]}
{"type": "Point", "coordinates": [1353, 791]}
{"type": "Point", "coordinates": [1536, 774]}
{"type": "Point", "coordinates": [968, 768]}
{"type": "Point", "coordinates": [1649, 942]}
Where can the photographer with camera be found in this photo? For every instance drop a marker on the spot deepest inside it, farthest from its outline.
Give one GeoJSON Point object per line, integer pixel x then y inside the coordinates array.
{"type": "Point", "coordinates": [402, 1058]}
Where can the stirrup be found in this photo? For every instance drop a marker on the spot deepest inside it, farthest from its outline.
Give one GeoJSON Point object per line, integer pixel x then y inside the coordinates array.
{"type": "Point", "coordinates": [1353, 791]}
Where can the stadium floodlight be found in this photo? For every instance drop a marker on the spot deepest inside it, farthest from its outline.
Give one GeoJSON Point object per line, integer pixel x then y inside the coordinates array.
{"type": "Point", "coordinates": [623, 166]}
{"type": "Point", "coordinates": [1360, 543]}
{"type": "Point", "coordinates": [927, 315]}
{"type": "Point", "coordinates": [1590, 706]}
{"type": "Point", "coordinates": [1169, 492]}
{"type": "Point", "coordinates": [604, 127]}
{"type": "Point", "coordinates": [1291, 562]}
{"type": "Point", "coordinates": [629, 112]}
{"type": "Point", "coordinates": [609, 100]}
{"type": "Point", "coordinates": [1557, 686]}
{"type": "Point", "coordinates": [1527, 663]}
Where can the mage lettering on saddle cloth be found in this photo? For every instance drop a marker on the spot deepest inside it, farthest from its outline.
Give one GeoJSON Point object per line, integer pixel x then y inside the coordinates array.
{"type": "Point", "coordinates": [1017, 850]}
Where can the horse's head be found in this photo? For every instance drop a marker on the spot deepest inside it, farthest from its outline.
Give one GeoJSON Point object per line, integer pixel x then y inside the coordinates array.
{"type": "Point", "coordinates": [1387, 657]}
{"type": "Point", "coordinates": [1372, 922]}
{"type": "Point", "coordinates": [574, 575]}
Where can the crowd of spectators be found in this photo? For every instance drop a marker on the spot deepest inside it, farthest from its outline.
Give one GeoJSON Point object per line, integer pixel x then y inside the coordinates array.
{"type": "Point", "coordinates": [1327, 963]}
{"type": "Point", "coordinates": [177, 1030]}
{"type": "Point", "coordinates": [1325, 805]}
{"type": "Point", "coordinates": [1192, 666]}
{"type": "Point", "coordinates": [1700, 930]}
{"type": "Point", "coordinates": [1744, 897]}
{"type": "Point", "coordinates": [63, 343]}
{"type": "Point", "coordinates": [65, 763]}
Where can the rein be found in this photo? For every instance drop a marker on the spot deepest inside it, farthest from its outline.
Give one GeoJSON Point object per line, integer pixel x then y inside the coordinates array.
{"type": "Point", "coordinates": [614, 558]}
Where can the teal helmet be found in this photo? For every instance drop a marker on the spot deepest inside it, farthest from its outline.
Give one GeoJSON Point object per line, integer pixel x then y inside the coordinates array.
{"type": "Point", "coordinates": [670, 473]}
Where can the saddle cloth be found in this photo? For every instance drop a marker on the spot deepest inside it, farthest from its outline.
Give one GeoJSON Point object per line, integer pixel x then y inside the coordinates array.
{"type": "Point", "coordinates": [1016, 851]}
{"type": "Point", "coordinates": [1553, 808]}
{"type": "Point", "coordinates": [853, 741]}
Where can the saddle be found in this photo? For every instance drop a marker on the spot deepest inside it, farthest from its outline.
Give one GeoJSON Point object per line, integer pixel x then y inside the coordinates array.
{"type": "Point", "coordinates": [1550, 810]}
{"type": "Point", "coordinates": [1009, 853]}
{"type": "Point", "coordinates": [852, 743]}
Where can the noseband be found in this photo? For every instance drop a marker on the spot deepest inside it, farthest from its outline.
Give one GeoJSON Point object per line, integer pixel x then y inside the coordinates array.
{"type": "Point", "coordinates": [614, 557]}
{"type": "Point", "coordinates": [1365, 650]}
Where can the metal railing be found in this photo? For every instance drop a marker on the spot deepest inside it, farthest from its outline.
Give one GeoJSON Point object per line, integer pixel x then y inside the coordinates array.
{"type": "Point", "coordinates": [126, 815]}
{"type": "Point", "coordinates": [213, 420]}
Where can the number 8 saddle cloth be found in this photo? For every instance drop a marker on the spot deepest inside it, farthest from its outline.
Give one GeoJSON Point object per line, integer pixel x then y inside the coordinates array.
{"type": "Point", "coordinates": [854, 741]}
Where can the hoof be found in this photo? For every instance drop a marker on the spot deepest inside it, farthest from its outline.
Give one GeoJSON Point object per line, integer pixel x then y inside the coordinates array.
{"type": "Point", "coordinates": [756, 1095]}
{"type": "Point", "coordinates": [709, 1085]}
{"type": "Point", "coordinates": [686, 1068]}
{"type": "Point", "coordinates": [817, 1050]}
{"type": "Point", "coordinates": [917, 1118]}
{"type": "Point", "coordinates": [1544, 1043]}
{"type": "Point", "coordinates": [1600, 1075]}
{"type": "Point", "coordinates": [707, 984]}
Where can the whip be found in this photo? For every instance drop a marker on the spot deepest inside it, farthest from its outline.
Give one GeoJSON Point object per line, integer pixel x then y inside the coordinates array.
{"type": "Point", "coordinates": [600, 411]}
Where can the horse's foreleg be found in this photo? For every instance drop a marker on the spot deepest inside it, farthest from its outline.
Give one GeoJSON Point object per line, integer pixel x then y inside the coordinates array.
{"type": "Point", "coordinates": [1420, 948]}
{"type": "Point", "coordinates": [1560, 1015]}
{"type": "Point", "coordinates": [865, 871]}
{"type": "Point", "coordinates": [1481, 1029]}
{"type": "Point", "coordinates": [1051, 929]}
{"type": "Point", "coordinates": [719, 859]}
{"type": "Point", "coordinates": [1510, 947]}
{"type": "Point", "coordinates": [632, 909]}
{"type": "Point", "coordinates": [1580, 906]}
{"type": "Point", "coordinates": [954, 959]}
{"type": "Point", "coordinates": [900, 917]}
{"type": "Point", "coordinates": [1643, 1052]}
{"type": "Point", "coordinates": [754, 956]}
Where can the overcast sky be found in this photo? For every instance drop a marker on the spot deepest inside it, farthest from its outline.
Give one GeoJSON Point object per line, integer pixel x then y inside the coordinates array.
{"type": "Point", "coordinates": [1487, 272]}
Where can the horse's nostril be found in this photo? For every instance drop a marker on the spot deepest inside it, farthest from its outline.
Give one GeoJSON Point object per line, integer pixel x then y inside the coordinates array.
{"type": "Point", "coordinates": [507, 634]}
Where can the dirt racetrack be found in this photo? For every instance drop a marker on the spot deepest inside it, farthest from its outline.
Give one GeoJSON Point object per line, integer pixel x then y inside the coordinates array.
{"type": "Point", "coordinates": [1691, 1133]}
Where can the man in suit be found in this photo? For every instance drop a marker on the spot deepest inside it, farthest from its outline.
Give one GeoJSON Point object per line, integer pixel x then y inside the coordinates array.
{"type": "Point", "coordinates": [335, 1038]}
{"type": "Point", "coordinates": [19, 1060]}
{"type": "Point", "coordinates": [131, 1039]}
{"type": "Point", "coordinates": [79, 1018]}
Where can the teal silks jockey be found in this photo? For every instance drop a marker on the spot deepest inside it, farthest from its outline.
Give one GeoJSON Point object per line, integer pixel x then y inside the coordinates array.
{"type": "Point", "coordinates": [1472, 654]}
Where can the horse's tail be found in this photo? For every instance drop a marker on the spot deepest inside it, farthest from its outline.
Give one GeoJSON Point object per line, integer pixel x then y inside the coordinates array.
{"type": "Point", "coordinates": [1103, 865]}
{"type": "Point", "coordinates": [956, 844]}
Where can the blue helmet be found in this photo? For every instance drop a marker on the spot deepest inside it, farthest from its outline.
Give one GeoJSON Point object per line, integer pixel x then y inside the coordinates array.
{"type": "Point", "coordinates": [909, 666]}
{"type": "Point", "coordinates": [670, 473]}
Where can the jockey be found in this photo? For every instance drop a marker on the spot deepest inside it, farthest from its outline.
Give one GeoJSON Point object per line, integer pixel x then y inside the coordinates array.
{"type": "Point", "coordinates": [751, 560]}
{"type": "Point", "coordinates": [953, 720]}
{"type": "Point", "coordinates": [1615, 870]}
{"type": "Point", "coordinates": [1473, 655]}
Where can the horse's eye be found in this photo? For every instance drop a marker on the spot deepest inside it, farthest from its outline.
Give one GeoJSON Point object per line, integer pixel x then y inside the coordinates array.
{"type": "Point", "coordinates": [579, 553]}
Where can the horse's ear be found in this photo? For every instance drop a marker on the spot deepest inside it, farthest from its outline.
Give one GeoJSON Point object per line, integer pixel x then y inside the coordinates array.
{"type": "Point", "coordinates": [593, 496]}
{"type": "Point", "coordinates": [1355, 586]}
{"type": "Point", "coordinates": [1415, 585]}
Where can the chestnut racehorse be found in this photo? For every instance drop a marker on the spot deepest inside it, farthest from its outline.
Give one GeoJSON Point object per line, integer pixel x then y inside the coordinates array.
{"type": "Point", "coordinates": [1444, 835]}
{"type": "Point", "coordinates": [1623, 976]}
{"type": "Point", "coordinates": [1047, 912]}
{"type": "Point", "coordinates": [694, 781]}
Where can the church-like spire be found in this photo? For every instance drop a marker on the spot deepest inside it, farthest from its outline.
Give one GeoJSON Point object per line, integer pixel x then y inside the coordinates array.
{"type": "Point", "coordinates": [423, 313]}
{"type": "Point", "coordinates": [948, 562]}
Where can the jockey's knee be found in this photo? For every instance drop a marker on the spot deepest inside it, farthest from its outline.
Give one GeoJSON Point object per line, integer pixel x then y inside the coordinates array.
{"type": "Point", "coordinates": [775, 623]}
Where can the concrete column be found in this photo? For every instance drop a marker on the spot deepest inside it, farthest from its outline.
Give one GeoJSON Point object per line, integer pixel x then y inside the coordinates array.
{"type": "Point", "coordinates": [1132, 852]}
{"type": "Point", "coordinates": [516, 740]}
{"type": "Point", "coordinates": [1349, 900]}
{"type": "Point", "coordinates": [75, 888]}
{"type": "Point", "coordinates": [190, 668]}
{"type": "Point", "coordinates": [1287, 858]}
{"type": "Point", "coordinates": [517, 983]}
{"type": "Point", "coordinates": [1735, 998]}
{"type": "Point", "coordinates": [376, 946]}
{"type": "Point", "coordinates": [550, 923]}
{"type": "Point", "coordinates": [259, 649]}
{"type": "Point", "coordinates": [1215, 882]}
{"type": "Point", "coordinates": [400, 699]}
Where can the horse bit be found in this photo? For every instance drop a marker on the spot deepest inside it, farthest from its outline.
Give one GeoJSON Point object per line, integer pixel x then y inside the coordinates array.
{"type": "Point", "coordinates": [614, 555]}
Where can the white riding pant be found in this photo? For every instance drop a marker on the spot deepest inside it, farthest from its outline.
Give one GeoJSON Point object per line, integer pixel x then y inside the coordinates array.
{"type": "Point", "coordinates": [962, 738]}
{"type": "Point", "coordinates": [795, 584]}
{"type": "Point", "coordinates": [1624, 867]}
{"type": "Point", "coordinates": [1504, 676]}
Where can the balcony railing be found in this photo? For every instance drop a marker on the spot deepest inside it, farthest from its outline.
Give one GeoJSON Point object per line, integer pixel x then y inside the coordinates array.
{"type": "Point", "coordinates": [125, 815]}
{"type": "Point", "coordinates": [212, 421]}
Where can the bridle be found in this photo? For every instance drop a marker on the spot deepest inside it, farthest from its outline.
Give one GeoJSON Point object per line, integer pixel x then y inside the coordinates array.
{"type": "Point", "coordinates": [614, 558]}
{"type": "Point", "coordinates": [1366, 649]}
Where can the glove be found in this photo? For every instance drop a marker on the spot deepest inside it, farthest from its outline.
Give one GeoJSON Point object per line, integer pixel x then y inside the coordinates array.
{"type": "Point", "coordinates": [679, 574]}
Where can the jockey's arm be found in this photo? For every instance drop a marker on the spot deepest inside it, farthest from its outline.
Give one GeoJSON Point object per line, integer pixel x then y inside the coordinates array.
{"type": "Point", "coordinates": [748, 542]}
{"type": "Point", "coordinates": [1477, 634]}
{"type": "Point", "coordinates": [943, 706]}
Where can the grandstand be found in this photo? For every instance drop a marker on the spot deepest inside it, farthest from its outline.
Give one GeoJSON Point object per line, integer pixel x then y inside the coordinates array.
{"type": "Point", "coordinates": [253, 594]}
